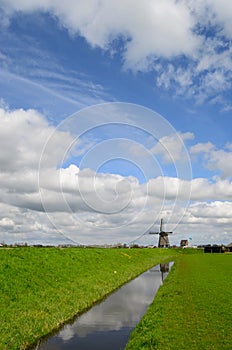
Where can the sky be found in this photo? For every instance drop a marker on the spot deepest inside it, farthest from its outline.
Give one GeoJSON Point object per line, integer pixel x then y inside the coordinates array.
{"type": "Point", "coordinates": [114, 115]}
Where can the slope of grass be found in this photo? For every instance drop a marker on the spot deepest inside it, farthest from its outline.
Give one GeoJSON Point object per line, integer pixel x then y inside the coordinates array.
{"type": "Point", "coordinates": [41, 288]}
{"type": "Point", "coordinates": [192, 310]}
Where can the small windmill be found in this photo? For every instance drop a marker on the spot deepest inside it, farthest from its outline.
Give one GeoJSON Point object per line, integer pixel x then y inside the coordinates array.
{"type": "Point", "coordinates": [163, 236]}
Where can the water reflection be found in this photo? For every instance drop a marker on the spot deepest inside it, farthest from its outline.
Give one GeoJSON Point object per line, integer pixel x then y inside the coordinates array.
{"type": "Point", "coordinates": [164, 268]}
{"type": "Point", "coordinates": [108, 325]}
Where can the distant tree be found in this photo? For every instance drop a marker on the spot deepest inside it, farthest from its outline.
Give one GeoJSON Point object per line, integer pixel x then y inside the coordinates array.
{"type": "Point", "coordinates": [135, 246]}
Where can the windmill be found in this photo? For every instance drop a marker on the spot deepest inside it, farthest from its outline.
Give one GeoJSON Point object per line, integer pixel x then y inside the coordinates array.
{"type": "Point", "coordinates": [163, 236]}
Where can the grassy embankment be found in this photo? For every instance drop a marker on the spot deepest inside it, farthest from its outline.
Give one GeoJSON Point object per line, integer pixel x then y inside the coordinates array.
{"type": "Point", "coordinates": [192, 310]}
{"type": "Point", "coordinates": [41, 288]}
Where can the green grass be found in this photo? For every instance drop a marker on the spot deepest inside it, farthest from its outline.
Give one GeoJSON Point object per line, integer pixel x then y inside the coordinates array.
{"type": "Point", "coordinates": [192, 310]}
{"type": "Point", "coordinates": [41, 288]}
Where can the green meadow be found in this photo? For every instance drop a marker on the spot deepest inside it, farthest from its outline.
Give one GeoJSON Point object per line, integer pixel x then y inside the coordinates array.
{"type": "Point", "coordinates": [193, 308]}
{"type": "Point", "coordinates": [41, 288]}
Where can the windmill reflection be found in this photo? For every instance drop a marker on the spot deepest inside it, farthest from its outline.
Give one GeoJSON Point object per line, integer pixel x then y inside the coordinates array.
{"type": "Point", "coordinates": [164, 268]}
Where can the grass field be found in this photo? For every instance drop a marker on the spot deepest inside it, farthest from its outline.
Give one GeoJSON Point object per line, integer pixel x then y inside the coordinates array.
{"type": "Point", "coordinates": [192, 310]}
{"type": "Point", "coordinates": [41, 288]}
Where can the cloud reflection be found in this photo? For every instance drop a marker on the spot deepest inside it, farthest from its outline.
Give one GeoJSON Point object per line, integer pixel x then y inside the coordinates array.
{"type": "Point", "coordinates": [122, 309]}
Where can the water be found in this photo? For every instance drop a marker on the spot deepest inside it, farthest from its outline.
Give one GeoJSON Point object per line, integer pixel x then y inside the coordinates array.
{"type": "Point", "coordinates": [107, 325]}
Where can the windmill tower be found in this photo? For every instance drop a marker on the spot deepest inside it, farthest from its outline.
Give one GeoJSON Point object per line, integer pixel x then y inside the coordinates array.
{"type": "Point", "coordinates": [163, 236]}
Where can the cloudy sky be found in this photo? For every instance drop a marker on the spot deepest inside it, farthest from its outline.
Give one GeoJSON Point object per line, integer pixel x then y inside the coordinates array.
{"type": "Point", "coordinates": [114, 115]}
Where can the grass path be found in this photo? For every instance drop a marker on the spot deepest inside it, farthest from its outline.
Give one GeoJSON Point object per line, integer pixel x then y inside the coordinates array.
{"type": "Point", "coordinates": [192, 310]}
{"type": "Point", "coordinates": [41, 288]}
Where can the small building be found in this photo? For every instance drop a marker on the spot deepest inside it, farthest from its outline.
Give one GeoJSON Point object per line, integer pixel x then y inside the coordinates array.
{"type": "Point", "coordinates": [214, 248]}
{"type": "Point", "coordinates": [184, 243]}
{"type": "Point", "coordinates": [229, 247]}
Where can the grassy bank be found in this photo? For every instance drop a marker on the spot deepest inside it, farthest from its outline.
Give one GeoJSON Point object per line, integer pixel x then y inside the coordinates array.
{"type": "Point", "coordinates": [192, 310]}
{"type": "Point", "coordinates": [41, 288]}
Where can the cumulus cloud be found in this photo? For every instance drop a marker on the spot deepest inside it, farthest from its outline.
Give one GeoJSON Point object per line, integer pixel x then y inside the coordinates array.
{"type": "Point", "coordinates": [202, 148]}
{"type": "Point", "coordinates": [195, 189]}
{"type": "Point", "coordinates": [221, 160]}
{"type": "Point", "coordinates": [101, 22]}
{"type": "Point", "coordinates": [218, 160]}
{"type": "Point", "coordinates": [23, 135]}
{"type": "Point", "coordinates": [172, 147]}
{"type": "Point", "coordinates": [222, 15]}
{"type": "Point", "coordinates": [58, 203]}
{"type": "Point", "coordinates": [154, 35]}
{"type": "Point", "coordinates": [206, 222]}
{"type": "Point", "coordinates": [6, 223]}
{"type": "Point", "coordinates": [216, 210]}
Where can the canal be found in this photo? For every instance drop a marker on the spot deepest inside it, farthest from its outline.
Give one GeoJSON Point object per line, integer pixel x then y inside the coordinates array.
{"type": "Point", "coordinates": [107, 325]}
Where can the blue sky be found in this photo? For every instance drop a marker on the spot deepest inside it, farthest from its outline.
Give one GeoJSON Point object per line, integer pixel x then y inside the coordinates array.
{"type": "Point", "coordinates": [113, 117]}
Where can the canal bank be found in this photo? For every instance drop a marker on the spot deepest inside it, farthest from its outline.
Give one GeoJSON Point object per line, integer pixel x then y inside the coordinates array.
{"type": "Point", "coordinates": [43, 288]}
{"type": "Point", "coordinates": [192, 310]}
{"type": "Point", "coordinates": [108, 324]}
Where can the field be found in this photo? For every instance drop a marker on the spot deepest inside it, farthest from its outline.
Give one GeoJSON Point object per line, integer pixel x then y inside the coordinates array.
{"type": "Point", "coordinates": [41, 288]}
{"type": "Point", "coordinates": [192, 310]}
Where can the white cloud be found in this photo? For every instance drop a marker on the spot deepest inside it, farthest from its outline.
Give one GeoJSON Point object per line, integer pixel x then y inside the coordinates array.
{"type": "Point", "coordinates": [223, 15]}
{"type": "Point", "coordinates": [216, 210]}
{"type": "Point", "coordinates": [215, 81]}
{"type": "Point", "coordinates": [229, 146]}
{"type": "Point", "coordinates": [207, 190]}
{"type": "Point", "coordinates": [155, 35]}
{"type": "Point", "coordinates": [206, 223]}
{"type": "Point", "coordinates": [221, 160]}
{"type": "Point", "coordinates": [178, 76]}
{"type": "Point", "coordinates": [215, 159]}
{"type": "Point", "coordinates": [6, 223]}
{"type": "Point", "coordinates": [202, 148]}
{"type": "Point", "coordinates": [172, 147]}
{"type": "Point", "coordinates": [23, 135]}
{"type": "Point", "coordinates": [86, 206]}
{"type": "Point", "coordinates": [145, 26]}
{"type": "Point", "coordinates": [169, 188]}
